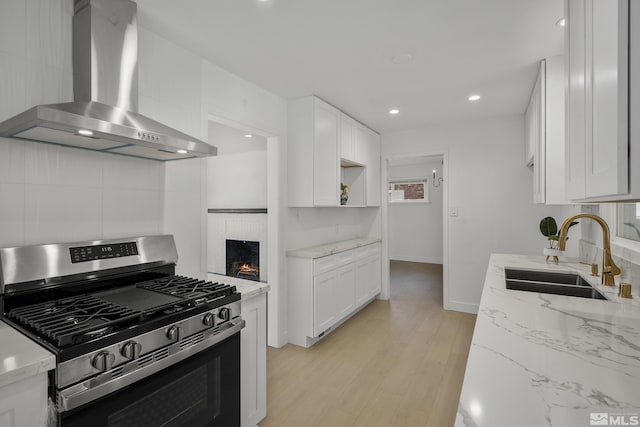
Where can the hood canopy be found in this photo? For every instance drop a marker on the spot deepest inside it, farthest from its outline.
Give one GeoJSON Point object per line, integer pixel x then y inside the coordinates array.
{"type": "Point", "coordinates": [104, 116]}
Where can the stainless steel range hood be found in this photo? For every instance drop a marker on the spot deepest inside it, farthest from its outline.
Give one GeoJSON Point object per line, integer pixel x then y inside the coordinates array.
{"type": "Point", "coordinates": [105, 116]}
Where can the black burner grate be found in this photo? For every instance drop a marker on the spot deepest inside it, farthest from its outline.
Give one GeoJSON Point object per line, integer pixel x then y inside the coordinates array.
{"type": "Point", "coordinates": [76, 319]}
{"type": "Point", "coordinates": [190, 289]}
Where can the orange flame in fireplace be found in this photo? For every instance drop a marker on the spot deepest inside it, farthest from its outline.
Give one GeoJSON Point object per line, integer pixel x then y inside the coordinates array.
{"type": "Point", "coordinates": [249, 269]}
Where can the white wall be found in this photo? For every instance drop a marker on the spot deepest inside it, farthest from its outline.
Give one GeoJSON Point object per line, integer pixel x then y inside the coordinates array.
{"type": "Point", "coordinates": [237, 176]}
{"type": "Point", "coordinates": [50, 193]}
{"type": "Point", "coordinates": [415, 229]}
{"type": "Point", "coordinates": [492, 190]}
{"type": "Point", "coordinates": [315, 226]}
{"type": "Point", "coordinates": [213, 94]}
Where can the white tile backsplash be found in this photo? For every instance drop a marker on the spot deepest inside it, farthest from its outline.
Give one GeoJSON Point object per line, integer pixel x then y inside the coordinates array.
{"type": "Point", "coordinates": [132, 212]}
{"type": "Point", "coordinates": [182, 218]}
{"type": "Point", "coordinates": [184, 175]}
{"type": "Point", "coordinates": [11, 214]}
{"type": "Point", "coordinates": [12, 30]}
{"type": "Point", "coordinates": [13, 74]}
{"type": "Point", "coordinates": [45, 84]}
{"type": "Point", "coordinates": [57, 165]}
{"type": "Point", "coordinates": [48, 32]}
{"type": "Point", "coordinates": [62, 213]}
{"type": "Point", "coordinates": [12, 154]}
{"type": "Point", "coordinates": [121, 172]}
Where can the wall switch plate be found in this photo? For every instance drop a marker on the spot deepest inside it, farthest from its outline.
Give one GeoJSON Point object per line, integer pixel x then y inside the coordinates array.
{"type": "Point", "coordinates": [453, 211]}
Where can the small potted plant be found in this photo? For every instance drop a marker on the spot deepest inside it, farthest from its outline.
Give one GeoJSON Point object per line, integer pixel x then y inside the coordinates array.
{"type": "Point", "coordinates": [549, 229]}
{"type": "Point", "coordinates": [344, 193]}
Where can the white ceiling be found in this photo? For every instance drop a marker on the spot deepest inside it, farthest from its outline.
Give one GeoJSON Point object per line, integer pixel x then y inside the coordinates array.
{"type": "Point", "coordinates": [342, 50]}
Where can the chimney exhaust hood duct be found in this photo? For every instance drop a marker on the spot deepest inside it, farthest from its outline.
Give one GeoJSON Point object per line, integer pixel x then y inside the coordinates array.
{"type": "Point", "coordinates": [104, 116]}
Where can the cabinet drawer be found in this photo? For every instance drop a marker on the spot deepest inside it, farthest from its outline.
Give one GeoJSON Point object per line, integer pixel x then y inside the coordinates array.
{"type": "Point", "coordinates": [324, 264]}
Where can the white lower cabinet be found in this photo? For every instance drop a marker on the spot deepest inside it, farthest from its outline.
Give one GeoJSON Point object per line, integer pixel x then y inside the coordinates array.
{"type": "Point", "coordinates": [24, 403]}
{"type": "Point", "coordinates": [253, 361]}
{"type": "Point", "coordinates": [325, 291]}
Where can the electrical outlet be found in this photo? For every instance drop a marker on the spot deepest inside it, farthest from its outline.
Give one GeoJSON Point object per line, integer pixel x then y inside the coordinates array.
{"type": "Point", "coordinates": [453, 211]}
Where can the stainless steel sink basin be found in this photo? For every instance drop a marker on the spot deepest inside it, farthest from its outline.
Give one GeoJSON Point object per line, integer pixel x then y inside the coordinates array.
{"type": "Point", "coordinates": [550, 283]}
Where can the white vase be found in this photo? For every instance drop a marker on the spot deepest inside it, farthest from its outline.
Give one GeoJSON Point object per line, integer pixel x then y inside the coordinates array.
{"type": "Point", "coordinates": [555, 253]}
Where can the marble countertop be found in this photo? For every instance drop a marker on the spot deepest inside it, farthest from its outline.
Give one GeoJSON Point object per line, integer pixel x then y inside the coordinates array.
{"type": "Point", "coordinates": [550, 360]}
{"type": "Point", "coordinates": [20, 357]}
{"type": "Point", "coordinates": [331, 248]}
{"type": "Point", "coordinates": [247, 288]}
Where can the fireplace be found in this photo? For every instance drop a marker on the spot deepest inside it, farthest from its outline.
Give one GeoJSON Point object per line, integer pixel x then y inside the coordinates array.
{"type": "Point", "coordinates": [243, 259]}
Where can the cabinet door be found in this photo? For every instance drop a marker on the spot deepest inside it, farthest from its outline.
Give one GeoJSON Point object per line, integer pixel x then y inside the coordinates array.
{"type": "Point", "coordinates": [537, 135]}
{"type": "Point", "coordinates": [575, 95]}
{"type": "Point", "coordinates": [253, 372]}
{"type": "Point", "coordinates": [554, 111]}
{"type": "Point", "coordinates": [325, 306]}
{"type": "Point", "coordinates": [372, 171]}
{"type": "Point", "coordinates": [597, 43]}
{"type": "Point", "coordinates": [363, 279]}
{"type": "Point", "coordinates": [326, 173]}
{"type": "Point", "coordinates": [24, 403]}
{"type": "Point", "coordinates": [347, 138]}
{"type": "Point", "coordinates": [375, 274]}
{"type": "Point", "coordinates": [607, 94]}
{"type": "Point", "coordinates": [346, 289]}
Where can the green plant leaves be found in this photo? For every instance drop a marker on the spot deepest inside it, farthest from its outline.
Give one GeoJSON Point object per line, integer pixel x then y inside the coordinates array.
{"type": "Point", "coordinates": [549, 227]}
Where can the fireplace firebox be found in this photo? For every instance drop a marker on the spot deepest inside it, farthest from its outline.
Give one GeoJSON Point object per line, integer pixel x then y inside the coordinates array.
{"type": "Point", "coordinates": [243, 259]}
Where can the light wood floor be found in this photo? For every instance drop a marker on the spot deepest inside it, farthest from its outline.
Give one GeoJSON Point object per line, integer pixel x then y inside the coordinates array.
{"type": "Point", "coordinates": [396, 363]}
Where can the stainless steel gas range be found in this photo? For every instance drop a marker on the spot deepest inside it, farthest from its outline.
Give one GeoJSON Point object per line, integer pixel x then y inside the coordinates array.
{"type": "Point", "coordinates": [135, 344]}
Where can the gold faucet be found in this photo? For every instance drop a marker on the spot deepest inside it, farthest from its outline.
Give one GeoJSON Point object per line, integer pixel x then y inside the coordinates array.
{"type": "Point", "coordinates": [609, 268]}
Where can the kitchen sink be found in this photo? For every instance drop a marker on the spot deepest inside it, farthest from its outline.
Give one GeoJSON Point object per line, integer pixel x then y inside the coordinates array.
{"type": "Point", "coordinates": [550, 283]}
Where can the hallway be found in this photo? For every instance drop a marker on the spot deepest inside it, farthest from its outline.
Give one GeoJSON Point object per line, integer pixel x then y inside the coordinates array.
{"type": "Point", "coordinates": [395, 363]}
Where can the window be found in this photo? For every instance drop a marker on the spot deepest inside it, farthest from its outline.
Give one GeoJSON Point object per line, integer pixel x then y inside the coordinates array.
{"type": "Point", "coordinates": [408, 191]}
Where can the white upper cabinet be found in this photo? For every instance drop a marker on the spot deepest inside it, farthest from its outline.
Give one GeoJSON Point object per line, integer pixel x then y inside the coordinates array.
{"type": "Point", "coordinates": [545, 133]}
{"type": "Point", "coordinates": [350, 147]}
{"type": "Point", "coordinates": [535, 134]}
{"type": "Point", "coordinates": [314, 134]}
{"type": "Point", "coordinates": [373, 161]}
{"type": "Point", "coordinates": [601, 55]}
{"type": "Point", "coordinates": [326, 148]}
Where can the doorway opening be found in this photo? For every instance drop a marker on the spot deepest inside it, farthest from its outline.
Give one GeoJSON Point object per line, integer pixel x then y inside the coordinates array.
{"type": "Point", "coordinates": [416, 227]}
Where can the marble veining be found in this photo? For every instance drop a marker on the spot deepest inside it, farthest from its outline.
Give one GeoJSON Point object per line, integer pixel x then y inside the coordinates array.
{"type": "Point", "coordinates": [331, 248]}
{"type": "Point", "coordinates": [550, 360]}
{"type": "Point", "coordinates": [20, 357]}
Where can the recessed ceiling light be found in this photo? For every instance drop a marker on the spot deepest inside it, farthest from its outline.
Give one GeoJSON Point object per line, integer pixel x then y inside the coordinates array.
{"type": "Point", "coordinates": [474, 98]}
{"type": "Point", "coordinates": [561, 22]}
{"type": "Point", "coordinates": [84, 132]}
{"type": "Point", "coordinates": [402, 58]}
{"type": "Point", "coordinates": [182, 151]}
{"type": "Point", "coordinates": [248, 135]}
{"type": "Point", "coordinates": [394, 111]}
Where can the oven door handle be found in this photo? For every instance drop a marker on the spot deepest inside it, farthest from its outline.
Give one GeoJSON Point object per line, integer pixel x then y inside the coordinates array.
{"type": "Point", "coordinates": [85, 392]}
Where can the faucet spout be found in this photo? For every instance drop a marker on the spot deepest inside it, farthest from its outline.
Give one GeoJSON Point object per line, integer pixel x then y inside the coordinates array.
{"type": "Point", "coordinates": [609, 268]}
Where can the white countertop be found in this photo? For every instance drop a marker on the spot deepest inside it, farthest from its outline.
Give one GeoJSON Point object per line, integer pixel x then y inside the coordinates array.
{"type": "Point", "coordinates": [247, 288]}
{"type": "Point", "coordinates": [550, 360]}
{"type": "Point", "coordinates": [331, 248]}
{"type": "Point", "coordinates": [20, 357]}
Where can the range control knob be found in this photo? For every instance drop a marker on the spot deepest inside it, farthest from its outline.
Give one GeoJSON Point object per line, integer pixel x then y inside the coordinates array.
{"type": "Point", "coordinates": [173, 333]}
{"type": "Point", "coordinates": [103, 361]}
{"type": "Point", "coordinates": [209, 320]}
{"type": "Point", "coordinates": [131, 350]}
{"type": "Point", "coordinates": [224, 314]}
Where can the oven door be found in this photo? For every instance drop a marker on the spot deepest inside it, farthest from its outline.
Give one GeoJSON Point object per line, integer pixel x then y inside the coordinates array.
{"type": "Point", "coordinates": [203, 390]}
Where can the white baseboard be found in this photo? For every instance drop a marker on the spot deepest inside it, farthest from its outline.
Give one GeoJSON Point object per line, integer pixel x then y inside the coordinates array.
{"type": "Point", "coordinates": [410, 258]}
{"type": "Point", "coordinates": [464, 307]}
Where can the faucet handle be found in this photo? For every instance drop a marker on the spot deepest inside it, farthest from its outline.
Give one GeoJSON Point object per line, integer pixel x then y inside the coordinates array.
{"type": "Point", "coordinates": [594, 270]}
